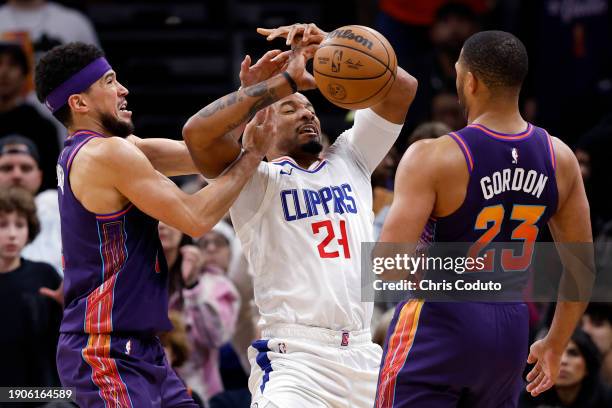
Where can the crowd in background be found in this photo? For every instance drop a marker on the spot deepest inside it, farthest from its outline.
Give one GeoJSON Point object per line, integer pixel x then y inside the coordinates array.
{"type": "Point", "coordinates": [568, 92]}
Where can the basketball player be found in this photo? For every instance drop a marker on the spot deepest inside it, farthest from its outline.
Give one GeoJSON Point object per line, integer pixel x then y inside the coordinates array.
{"type": "Point", "coordinates": [473, 354]}
{"type": "Point", "coordinates": [112, 189]}
{"type": "Point", "coordinates": [301, 219]}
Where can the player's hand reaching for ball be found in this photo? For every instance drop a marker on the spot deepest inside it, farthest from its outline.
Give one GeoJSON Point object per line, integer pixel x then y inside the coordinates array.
{"type": "Point", "coordinates": [296, 34]}
{"type": "Point", "coordinates": [259, 133]}
{"type": "Point", "coordinates": [296, 67]}
{"type": "Point", "coordinates": [547, 362]}
{"type": "Point", "coordinates": [270, 64]}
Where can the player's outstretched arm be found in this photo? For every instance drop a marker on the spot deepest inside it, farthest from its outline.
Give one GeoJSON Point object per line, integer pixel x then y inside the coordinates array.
{"type": "Point", "coordinates": [395, 105]}
{"type": "Point", "coordinates": [130, 172]}
{"type": "Point", "coordinates": [571, 230]}
{"type": "Point", "coordinates": [169, 157]}
{"type": "Point", "coordinates": [413, 203]}
{"type": "Point", "coordinates": [210, 126]}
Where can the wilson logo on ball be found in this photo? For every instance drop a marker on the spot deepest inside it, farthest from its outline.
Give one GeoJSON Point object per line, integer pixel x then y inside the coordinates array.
{"type": "Point", "coordinates": [349, 35]}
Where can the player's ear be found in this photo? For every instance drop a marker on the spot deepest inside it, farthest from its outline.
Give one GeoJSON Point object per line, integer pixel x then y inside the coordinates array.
{"type": "Point", "coordinates": [471, 82]}
{"type": "Point", "coordinates": [78, 103]}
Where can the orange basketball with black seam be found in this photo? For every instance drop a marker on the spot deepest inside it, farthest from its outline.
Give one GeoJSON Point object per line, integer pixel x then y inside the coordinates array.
{"type": "Point", "coordinates": [355, 67]}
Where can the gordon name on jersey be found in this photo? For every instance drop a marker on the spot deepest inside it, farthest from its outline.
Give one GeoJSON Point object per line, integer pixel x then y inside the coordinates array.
{"type": "Point", "coordinates": [513, 179]}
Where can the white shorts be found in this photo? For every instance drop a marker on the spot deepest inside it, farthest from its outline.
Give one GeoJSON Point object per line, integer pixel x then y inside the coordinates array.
{"type": "Point", "coordinates": [301, 367]}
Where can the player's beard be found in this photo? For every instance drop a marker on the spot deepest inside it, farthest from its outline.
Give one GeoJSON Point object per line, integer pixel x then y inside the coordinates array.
{"type": "Point", "coordinates": [116, 127]}
{"type": "Point", "coordinates": [312, 147]}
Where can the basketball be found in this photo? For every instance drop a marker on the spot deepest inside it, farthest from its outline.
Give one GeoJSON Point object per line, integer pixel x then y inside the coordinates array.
{"type": "Point", "coordinates": [354, 67]}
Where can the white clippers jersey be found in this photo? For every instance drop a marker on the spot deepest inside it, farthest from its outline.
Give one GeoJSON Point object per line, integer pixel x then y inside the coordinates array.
{"type": "Point", "coordinates": [301, 230]}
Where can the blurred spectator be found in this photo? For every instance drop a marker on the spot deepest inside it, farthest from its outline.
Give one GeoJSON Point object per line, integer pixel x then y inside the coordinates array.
{"type": "Point", "coordinates": [211, 308]}
{"type": "Point", "coordinates": [206, 298]}
{"type": "Point", "coordinates": [597, 322]}
{"type": "Point", "coordinates": [593, 151]}
{"type": "Point", "coordinates": [22, 119]}
{"type": "Point", "coordinates": [445, 108]}
{"type": "Point", "coordinates": [435, 69]}
{"type": "Point", "coordinates": [172, 241]}
{"type": "Point", "coordinates": [176, 346]}
{"type": "Point", "coordinates": [405, 23]}
{"type": "Point", "coordinates": [382, 188]}
{"type": "Point", "coordinates": [578, 384]}
{"type": "Point", "coordinates": [19, 167]}
{"type": "Point", "coordinates": [48, 23]}
{"type": "Point", "coordinates": [428, 130]}
{"type": "Point", "coordinates": [30, 320]}
{"type": "Point", "coordinates": [570, 63]}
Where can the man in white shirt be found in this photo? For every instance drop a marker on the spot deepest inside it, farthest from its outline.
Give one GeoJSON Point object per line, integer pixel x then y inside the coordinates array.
{"type": "Point", "coordinates": [301, 219]}
{"type": "Point", "coordinates": [48, 24]}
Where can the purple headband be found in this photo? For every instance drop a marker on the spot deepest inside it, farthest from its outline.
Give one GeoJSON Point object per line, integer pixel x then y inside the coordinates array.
{"type": "Point", "coordinates": [77, 83]}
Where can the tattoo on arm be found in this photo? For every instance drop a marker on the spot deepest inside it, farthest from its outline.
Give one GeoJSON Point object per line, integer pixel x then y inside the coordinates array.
{"type": "Point", "coordinates": [266, 96]}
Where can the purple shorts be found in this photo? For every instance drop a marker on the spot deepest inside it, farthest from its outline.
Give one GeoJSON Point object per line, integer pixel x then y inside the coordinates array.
{"type": "Point", "coordinates": [109, 370]}
{"type": "Point", "coordinates": [443, 355]}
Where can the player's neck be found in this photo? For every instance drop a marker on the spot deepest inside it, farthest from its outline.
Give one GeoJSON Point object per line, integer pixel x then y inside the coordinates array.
{"type": "Point", "coordinates": [8, 265]}
{"type": "Point", "coordinates": [568, 395]}
{"type": "Point", "coordinates": [304, 161]}
{"type": "Point", "coordinates": [87, 123]}
{"type": "Point", "coordinates": [501, 117]}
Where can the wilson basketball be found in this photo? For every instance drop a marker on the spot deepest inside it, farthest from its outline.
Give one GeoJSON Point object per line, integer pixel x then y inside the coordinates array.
{"type": "Point", "coordinates": [354, 67]}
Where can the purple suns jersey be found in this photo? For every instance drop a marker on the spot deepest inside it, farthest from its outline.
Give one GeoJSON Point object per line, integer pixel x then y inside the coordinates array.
{"type": "Point", "coordinates": [511, 194]}
{"type": "Point", "coordinates": [115, 273]}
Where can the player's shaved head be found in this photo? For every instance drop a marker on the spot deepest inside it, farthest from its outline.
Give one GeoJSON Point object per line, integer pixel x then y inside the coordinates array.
{"type": "Point", "coordinates": [497, 58]}
{"type": "Point", "coordinates": [60, 64]}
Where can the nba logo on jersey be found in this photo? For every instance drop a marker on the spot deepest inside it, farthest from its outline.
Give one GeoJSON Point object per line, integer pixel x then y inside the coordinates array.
{"type": "Point", "coordinates": [60, 177]}
{"type": "Point", "coordinates": [345, 339]}
{"type": "Point", "coordinates": [514, 155]}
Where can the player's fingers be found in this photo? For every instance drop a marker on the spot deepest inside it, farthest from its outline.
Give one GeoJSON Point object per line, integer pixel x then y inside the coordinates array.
{"type": "Point", "coordinates": [244, 65]}
{"type": "Point", "coordinates": [533, 373]}
{"type": "Point", "coordinates": [546, 384]}
{"type": "Point", "coordinates": [264, 31]}
{"type": "Point", "coordinates": [310, 51]}
{"type": "Point", "coordinates": [296, 30]}
{"type": "Point", "coordinates": [259, 117]}
{"type": "Point", "coordinates": [282, 57]}
{"type": "Point", "coordinates": [269, 55]}
{"type": "Point", "coordinates": [531, 358]}
{"type": "Point", "coordinates": [536, 383]}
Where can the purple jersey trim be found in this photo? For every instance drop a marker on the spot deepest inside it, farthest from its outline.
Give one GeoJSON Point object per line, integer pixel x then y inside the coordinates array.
{"type": "Point", "coordinates": [76, 150]}
{"type": "Point", "coordinates": [465, 149]}
{"type": "Point", "coordinates": [551, 150]}
{"type": "Point", "coordinates": [505, 136]}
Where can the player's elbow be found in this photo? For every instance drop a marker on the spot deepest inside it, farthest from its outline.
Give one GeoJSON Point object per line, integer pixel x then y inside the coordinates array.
{"type": "Point", "coordinates": [189, 131]}
{"type": "Point", "coordinates": [196, 133]}
{"type": "Point", "coordinates": [199, 228]}
{"type": "Point", "coordinates": [406, 85]}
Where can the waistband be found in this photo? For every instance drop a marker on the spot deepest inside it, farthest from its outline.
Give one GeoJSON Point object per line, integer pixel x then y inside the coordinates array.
{"type": "Point", "coordinates": [319, 335]}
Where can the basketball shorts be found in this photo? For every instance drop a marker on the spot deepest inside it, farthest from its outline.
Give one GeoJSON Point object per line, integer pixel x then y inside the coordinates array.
{"type": "Point", "coordinates": [109, 370]}
{"type": "Point", "coordinates": [297, 366]}
{"type": "Point", "coordinates": [454, 355]}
